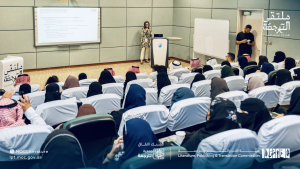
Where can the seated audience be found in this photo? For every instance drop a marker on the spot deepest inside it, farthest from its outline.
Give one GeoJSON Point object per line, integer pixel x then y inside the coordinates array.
{"type": "Point", "coordinates": [134, 69]}
{"type": "Point", "coordinates": [230, 57]}
{"type": "Point", "coordinates": [226, 71]}
{"type": "Point", "coordinates": [196, 62]}
{"type": "Point", "coordinates": [71, 82]}
{"type": "Point", "coordinates": [197, 78]}
{"type": "Point", "coordinates": [255, 82]}
{"type": "Point", "coordinates": [218, 86]}
{"type": "Point", "coordinates": [289, 63]}
{"type": "Point", "coordinates": [181, 94]}
{"type": "Point", "coordinates": [294, 108]}
{"type": "Point", "coordinates": [112, 72]}
{"type": "Point", "coordinates": [25, 89]}
{"type": "Point", "coordinates": [207, 68]}
{"type": "Point", "coordinates": [162, 81]}
{"type": "Point", "coordinates": [175, 65]}
{"type": "Point", "coordinates": [253, 114]}
{"type": "Point", "coordinates": [279, 57]}
{"type": "Point", "coordinates": [82, 76]}
{"type": "Point", "coordinates": [266, 68]}
{"type": "Point", "coordinates": [106, 77]}
{"type": "Point", "coordinates": [246, 55]}
{"type": "Point", "coordinates": [52, 93]}
{"type": "Point", "coordinates": [95, 88]}
{"type": "Point", "coordinates": [52, 79]}
{"type": "Point", "coordinates": [262, 60]}
{"type": "Point", "coordinates": [22, 79]}
{"type": "Point", "coordinates": [154, 72]}
{"type": "Point", "coordinates": [283, 76]}
{"type": "Point", "coordinates": [243, 62]}
{"type": "Point", "coordinates": [86, 109]}
{"type": "Point", "coordinates": [225, 63]}
{"type": "Point", "coordinates": [129, 77]}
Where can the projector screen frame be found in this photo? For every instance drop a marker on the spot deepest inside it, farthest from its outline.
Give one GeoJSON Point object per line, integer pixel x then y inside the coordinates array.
{"type": "Point", "coordinates": [65, 43]}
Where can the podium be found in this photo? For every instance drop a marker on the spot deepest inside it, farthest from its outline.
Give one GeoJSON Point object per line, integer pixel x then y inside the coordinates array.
{"type": "Point", "coordinates": [10, 68]}
{"type": "Point", "coordinates": [160, 51]}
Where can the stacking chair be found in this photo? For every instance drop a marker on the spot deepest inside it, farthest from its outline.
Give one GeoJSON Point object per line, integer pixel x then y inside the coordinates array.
{"type": "Point", "coordinates": [119, 79]}
{"type": "Point", "coordinates": [287, 90]}
{"type": "Point", "coordinates": [167, 93]}
{"type": "Point", "coordinates": [276, 65]}
{"type": "Point", "coordinates": [272, 77]}
{"type": "Point", "coordinates": [178, 72]}
{"type": "Point", "coordinates": [151, 96]}
{"type": "Point", "coordinates": [235, 96]}
{"type": "Point", "coordinates": [141, 75]}
{"type": "Point", "coordinates": [187, 78]}
{"type": "Point", "coordinates": [173, 79]}
{"type": "Point", "coordinates": [36, 98]}
{"type": "Point", "coordinates": [145, 83]}
{"type": "Point", "coordinates": [104, 103]}
{"type": "Point", "coordinates": [268, 94]}
{"type": "Point", "coordinates": [250, 69]}
{"type": "Point", "coordinates": [115, 88]}
{"type": "Point", "coordinates": [235, 83]}
{"type": "Point", "coordinates": [216, 67]}
{"type": "Point", "coordinates": [77, 92]}
{"type": "Point", "coordinates": [86, 82]}
{"type": "Point", "coordinates": [211, 74]}
{"type": "Point", "coordinates": [202, 88]}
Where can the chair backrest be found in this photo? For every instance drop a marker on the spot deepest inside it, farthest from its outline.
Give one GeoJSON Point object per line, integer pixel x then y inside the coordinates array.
{"type": "Point", "coordinates": [173, 79]}
{"type": "Point", "coordinates": [250, 69]}
{"type": "Point", "coordinates": [261, 75]}
{"type": "Point", "coordinates": [61, 85]}
{"type": "Point", "coordinates": [287, 90]}
{"type": "Point", "coordinates": [116, 88]}
{"type": "Point", "coordinates": [252, 63]}
{"type": "Point", "coordinates": [202, 88]}
{"type": "Point", "coordinates": [211, 74]}
{"type": "Point", "coordinates": [59, 111]}
{"type": "Point", "coordinates": [272, 77]}
{"type": "Point", "coordinates": [241, 72]}
{"type": "Point", "coordinates": [282, 132]}
{"type": "Point", "coordinates": [153, 75]}
{"type": "Point", "coordinates": [235, 64]}
{"type": "Point", "coordinates": [20, 138]}
{"type": "Point", "coordinates": [275, 65]}
{"type": "Point", "coordinates": [281, 65]}
{"type": "Point", "coordinates": [86, 82]}
{"type": "Point", "coordinates": [216, 67]}
{"type": "Point", "coordinates": [178, 72]}
{"type": "Point", "coordinates": [34, 88]}
{"type": "Point", "coordinates": [151, 96]}
{"type": "Point", "coordinates": [141, 75]}
{"type": "Point", "coordinates": [268, 94]}
{"type": "Point", "coordinates": [78, 92]}
{"type": "Point", "coordinates": [166, 157]}
{"type": "Point", "coordinates": [188, 112]}
{"type": "Point", "coordinates": [167, 93]}
{"type": "Point", "coordinates": [145, 83]}
{"type": "Point", "coordinates": [235, 83]}
{"type": "Point", "coordinates": [104, 103]}
{"type": "Point", "coordinates": [187, 78]}
{"type": "Point", "coordinates": [119, 79]}
{"type": "Point", "coordinates": [36, 98]}
{"type": "Point", "coordinates": [155, 115]}
{"type": "Point", "coordinates": [235, 96]}
{"type": "Point", "coordinates": [229, 145]}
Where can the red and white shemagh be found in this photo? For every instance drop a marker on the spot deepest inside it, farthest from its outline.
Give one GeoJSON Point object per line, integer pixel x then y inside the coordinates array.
{"type": "Point", "coordinates": [112, 72]}
{"type": "Point", "coordinates": [23, 80]}
{"type": "Point", "coordinates": [10, 117]}
{"type": "Point", "coordinates": [134, 69]}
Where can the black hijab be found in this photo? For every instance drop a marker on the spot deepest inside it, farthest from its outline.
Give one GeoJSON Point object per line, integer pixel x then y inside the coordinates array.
{"type": "Point", "coordinates": [106, 77]}
{"type": "Point", "coordinates": [52, 92]}
{"type": "Point", "coordinates": [161, 68]}
{"type": "Point", "coordinates": [95, 88]}
{"type": "Point", "coordinates": [207, 68]}
{"type": "Point", "coordinates": [283, 76]}
{"type": "Point", "coordinates": [289, 63]}
{"type": "Point", "coordinates": [82, 76]}
{"type": "Point", "coordinates": [129, 77]}
{"type": "Point", "coordinates": [162, 81]}
{"type": "Point", "coordinates": [197, 78]}
{"type": "Point", "coordinates": [64, 151]}
{"type": "Point", "coordinates": [296, 74]}
{"type": "Point", "coordinates": [225, 63]}
{"type": "Point", "coordinates": [279, 57]}
{"type": "Point", "coordinates": [258, 114]}
{"type": "Point", "coordinates": [52, 79]}
{"type": "Point", "coordinates": [218, 86]}
{"type": "Point", "coordinates": [25, 88]}
{"type": "Point", "coordinates": [294, 108]}
{"type": "Point", "coordinates": [262, 60]}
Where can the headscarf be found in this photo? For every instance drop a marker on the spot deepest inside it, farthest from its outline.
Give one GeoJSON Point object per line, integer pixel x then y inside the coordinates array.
{"type": "Point", "coordinates": [290, 63]}
{"type": "Point", "coordinates": [25, 88]}
{"type": "Point", "coordinates": [161, 68]}
{"type": "Point", "coordinates": [112, 72]}
{"type": "Point", "coordinates": [279, 57]}
{"type": "Point", "coordinates": [222, 118]}
{"type": "Point", "coordinates": [246, 55]}
{"type": "Point", "coordinates": [218, 86]}
{"type": "Point", "coordinates": [135, 97]}
{"type": "Point", "coordinates": [52, 92]}
{"type": "Point", "coordinates": [64, 151]}
{"type": "Point", "coordinates": [267, 68]}
{"type": "Point", "coordinates": [283, 76]}
{"type": "Point", "coordinates": [22, 79]}
{"type": "Point", "coordinates": [195, 63]}
{"type": "Point", "coordinates": [106, 77]}
{"type": "Point", "coordinates": [197, 78]}
{"type": "Point", "coordinates": [255, 82]}
{"type": "Point", "coordinates": [162, 81]}
{"type": "Point", "coordinates": [198, 69]}
{"type": "Point", "coordinates": [175, 65]}
{"type": "Point", "coordinates": [226, 72]}
{"type": "Point", "coordinates": [211, 61]}
{"type": "Point", "coordinates": [82, 76]}
{"type": "Point", "coordinates": [11, 113]}
{"type": "Point", "coordinates": [134, 69]}
{"type": "Point", "coordinates": [296, 74]}
{"type": "Point", "coordinates": [181, 94]}
{"type": "Point", "coordinates": [262, 60]}
{"type": "Point", "coordinates": [86, 109]}
{"type": "Point", "coordinates": [294, 108]}
{"type": "Point", "coordinates": [207, 68]}
{"type": "Point", "coordinates": [95, 88]}
{"type": "Point", "coordinates": [52, 79]}
{"type": "Point", "coordinates": [225, 63]}
{"type": "Point", "coordinates": [71, 82]}
{"type": "Point", "coordinates": [243, 62]}
{"type": "Point", "coordinates": [257, 115]}
{"type": "Point", "coordinates": [129, 77]}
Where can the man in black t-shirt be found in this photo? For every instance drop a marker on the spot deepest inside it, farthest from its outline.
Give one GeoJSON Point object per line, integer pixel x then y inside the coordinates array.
{"type": "Point", "coordinates": [245, 40]}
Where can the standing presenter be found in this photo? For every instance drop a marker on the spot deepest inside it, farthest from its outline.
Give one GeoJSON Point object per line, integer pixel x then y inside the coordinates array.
{"type": "Point", "coordinates": [145, 41]}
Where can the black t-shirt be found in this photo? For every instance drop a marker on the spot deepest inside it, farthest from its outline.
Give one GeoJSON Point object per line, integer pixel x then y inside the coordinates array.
{"type": "Point", "coordinates": [244, 47]}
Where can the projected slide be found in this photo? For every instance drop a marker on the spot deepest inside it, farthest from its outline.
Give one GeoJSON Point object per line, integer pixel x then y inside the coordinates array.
{"type": "Point", "coordinates": [58, 26]}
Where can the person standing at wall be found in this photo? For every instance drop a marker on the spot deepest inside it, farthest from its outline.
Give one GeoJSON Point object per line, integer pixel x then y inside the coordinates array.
{"type": "Point", "coordinates": [245, 40]}
{"type": "Point", "coordinates": [145, 41]}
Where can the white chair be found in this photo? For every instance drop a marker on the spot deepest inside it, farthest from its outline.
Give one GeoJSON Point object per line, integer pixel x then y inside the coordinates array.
{"type": "Point", "coordinates": [155, 115]}
{"type": "Point", "coordinates": [281, 65]}
{"type": "Point", "coordinates": [287, 90]}
{"type": "Point", "coordinates": [268, 94]}
{"type": "Point", "coordinates": [34, 88]}
{"type": "Point", "coordinates": [173, 79]}
{"type": "Point", "coordinates": [116, 88]}
{"type": "Point", "coordinates": [241, 72]}
{"type": "Point", "coordinates": [188, 112]}
{"type": "Point", "coordinates": [145, 83]}
{"type": "Point", "coordinates": [235, 96]}
{"type": "Point", "coordinates": [261, 75]}
{"type": "Point", "coordinates": [212, 62]}
{"type": "Point", "coordinates": [216, 67]}
{"type": "Point", "coordinates": [78, 92]}
{"type": "Point", "coordinates": [231, 145]}
{"type": "Point", "coordinates": [167, 93]}
{"type": "Point", "coordinates": [104, 103]}
{"type": "Point", "coordinates": [235, 83]}
{"type": "Point", "coordinates": [151, 96]}
{"type": "Point", "coordinates": [61, 85]}
{"type": "Point", "coordinates": [178, 72]}
{"type": "Point", "coordinates": [235, 64]}
{"type": "Point", "coordinates": [59, 111]}
{"type": "Point", "coordinates": [29, 138]}
{"type": "Point", "coordinates": [153, 75]}
{"type": "Point", "coordinates": [275, 65]}
{"type": "Point", "coordinates": [202, 88]}
{"type": "Point", "coordinates": [36, 98]}
{"type": "Point", "coordinates": [282, 132]}
{"type": "Point", "coordinates": [211, 74]}
{"type": "Point", "coordinates": [187, 78]}
{"type": "Point", "coordinates": [119, 79]}
{"type": "Point", "coordinates": [86, 82]}
{"type": "Point", "coordinates": [141, 75]}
